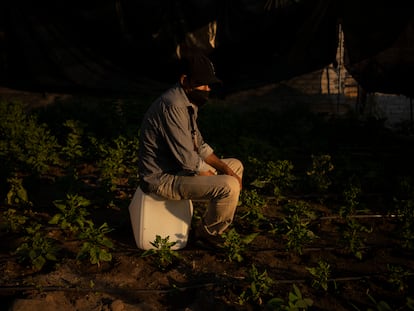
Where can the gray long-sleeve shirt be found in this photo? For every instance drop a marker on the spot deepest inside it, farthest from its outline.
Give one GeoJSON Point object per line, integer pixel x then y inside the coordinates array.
{"type": "Point", "coordinates": [166, 138]}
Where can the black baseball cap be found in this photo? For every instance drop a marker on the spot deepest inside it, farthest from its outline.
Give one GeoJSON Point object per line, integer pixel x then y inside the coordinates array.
{"type": "Point", "coordinates": [200, 70]}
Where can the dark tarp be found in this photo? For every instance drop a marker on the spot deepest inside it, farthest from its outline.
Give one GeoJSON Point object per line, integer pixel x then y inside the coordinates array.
{"type": "Point", "coordinates": [128, 46]}
{"type": "Point", "coordinates": [380, 44]}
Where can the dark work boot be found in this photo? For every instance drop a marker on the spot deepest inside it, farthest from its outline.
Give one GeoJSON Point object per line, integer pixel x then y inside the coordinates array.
{"type": "Point", "coordinates": [207, 240]}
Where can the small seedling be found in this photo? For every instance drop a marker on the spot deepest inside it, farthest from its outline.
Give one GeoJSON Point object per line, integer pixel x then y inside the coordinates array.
{"type": "Point", "coordinates": [37, 249]}
{"type": "Point", "coordinates": [14, 221]}
{"type": "Point", "coordinates": [319, 172]}
{"type": "Point", "coordinates": [379, 305]}
{"type": "Point", "coordinates": [117, 160]}
{"type": "Point", "coordinates": [254, 204]}
{"type": "Point", "coordinates": [295, 225]}
{"type": "Point", "coordinates": [296, 302]}
{"type": "Point", "coordinates": [297, 233]}
{"type": "Point", "coordinates": [275, 177]}
{"type": "Point", "coordinates": [351, 235]}
{"type": "Point", "coordinates": [72, 213]}
{"type": "Point", "coordinates": [351, 196]}
{"type": "Point", "coordinates": [234, 245]}
{"type": "Point", "coordinates": [405, 211]}
{"type": "Point", "coordinates": [410, 303]}
{"type": "Point", "coordinates": [260, 286]}
{"type": "Point", "coordinates": [17, 194]}
{"type": "Point", "coordinates": [73, 149]}
{"type": "Point", "coordinates": [398, 277]}
{"type": "Point", "coordinates": [29, 145]}
{"type": "Point", "coordinates": [163, 254]}
{"type": "Point", "coordinates": [96, 245]}
{"type": "Point", "coordinates": [320, 275]}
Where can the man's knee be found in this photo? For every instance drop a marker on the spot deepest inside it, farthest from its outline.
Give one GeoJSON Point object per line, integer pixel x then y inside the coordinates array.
{"type": "Point", "coordinates": [236, 165]}
{"type": "Point", "coordinates": [233, 186]}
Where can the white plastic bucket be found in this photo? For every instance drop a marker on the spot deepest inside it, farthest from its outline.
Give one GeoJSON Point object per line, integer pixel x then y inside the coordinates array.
{"type": "Point", "coordinates": [152, 215]}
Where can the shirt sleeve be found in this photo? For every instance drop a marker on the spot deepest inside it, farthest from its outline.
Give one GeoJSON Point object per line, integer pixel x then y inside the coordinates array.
{"type": "Point", "coordinates": [203, 166]}
{"type": "Point", "coordinates": [179, 139]}
{"type": "Point", "coordinates": [203, 149]}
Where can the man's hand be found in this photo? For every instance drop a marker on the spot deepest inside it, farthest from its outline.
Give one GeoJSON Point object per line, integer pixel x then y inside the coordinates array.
{"type": "Point", "coordinates": [221, 167]}
{"type": "Point", "coordinates": [206, 173]}
{"type": "Point", "coordinates": [230, 173]}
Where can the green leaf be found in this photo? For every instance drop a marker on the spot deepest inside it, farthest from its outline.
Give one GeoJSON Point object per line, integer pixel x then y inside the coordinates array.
{"type": "Point", "coordinates": [259, 183]}
{"type": "Point", "coordinates": [304, 303]}
{"type": "Point", "coordinates": [383, 306]}
{"type": "Point", "coordinates": [297, 291]}
{"type": "Point", "coordinates": [410, 303]}
{"type": "Point", "coordinates": [308, 301]}
{"type": "Point", "coordinates": [275, 302]}
{"type": "Point", "coordinates": [55, 219]}
{"type": "Point", "coordinates": [51, 257]}
{"type": "Point", "coordinates": [148, 252]}
{"type": "Point", "coordinates": [292, 296]}
{"type": "Point", "coordinates": [104, 255]}
{"type": "Point", "coordinates": [38, 263]}
{"type": "Point", "coordinates": [249, 238]}
{"type": "Point", "coordinates": [108, 243]}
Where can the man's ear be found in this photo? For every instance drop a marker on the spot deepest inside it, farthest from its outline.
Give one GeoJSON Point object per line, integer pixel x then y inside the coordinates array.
{"type": "Point", "coordinates": [184, 81]}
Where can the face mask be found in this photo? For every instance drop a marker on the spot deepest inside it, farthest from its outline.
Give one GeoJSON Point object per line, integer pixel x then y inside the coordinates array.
{"type": "Point", "coordinates": [198, 97]}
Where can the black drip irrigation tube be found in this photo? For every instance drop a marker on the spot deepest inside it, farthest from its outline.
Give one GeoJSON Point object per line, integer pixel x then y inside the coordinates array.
{"type": "Point", "coordinates": [262, 250]}
{"type": "Point", "coordinates": [13, 289]}
{"type": "Point", "coordinates": [109, 290]}
{"type": "Point", "coordinates": [312, 249]}
{"type": "Point", "coordinates": [362, 216]}
{"type": "Point", "coordinates": [334, 217]}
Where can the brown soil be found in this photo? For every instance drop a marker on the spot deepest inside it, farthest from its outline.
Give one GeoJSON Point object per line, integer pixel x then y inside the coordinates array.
{"type": "Point", "coordinates": [206, 279]}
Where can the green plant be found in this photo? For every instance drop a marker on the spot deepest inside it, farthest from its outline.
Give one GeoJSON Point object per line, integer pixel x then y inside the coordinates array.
{"type": "Point", "coordinates": [379, 305]}
{"type": "Point", "coordinates": [163, 254]}
{"type": "Point", "coordinates": [405, 211]}
{"type": "Point", "coordinates": [17, 194]}
{"type": "Point", "coordinates": [260, 286]}
{"type": "Point", "coordinates": [297, 232]}
{"type": "Point", "coordinates": [96, 245]}
{"type": "Point", "coordinates": [14, 220]}
{"type": "Point", "coordinates": [117, 161]}
{"type": "Point", "coordinates": [72, 213]}
{"type": "Point", "coordinates": [73, 149]}
{"type": "Point", "coordinates": [320, 275]}
{"type": "Point", "coordinates": [295, 225]}
{"type": "Point", "coordinates": [351, 196]}
{"type": "Point", "coordinates": [410, 303]}
{"type": "Point", "coordinates": [351, 235]}
{"type": "Point", "coordinates": [295, 302]}
{"type": "Point", "coordinates": [384, 306]}
{"type": "Point", "coordinates": [275, 176]}
{"type": "Point", "coordinates": [24, 143]}
{"type": "Point", "coordinates": [37, 249]}
{"type": "Point", "coordinates": [352, 229]}
{"type": "Point", "coordinates": [398, 277]}
{"type": "Point", "coordinates": [319, 172]}
{"type": "Point", "coordinates": [254, 204]}
{"type": "Point", "coordinates": [234, 245]}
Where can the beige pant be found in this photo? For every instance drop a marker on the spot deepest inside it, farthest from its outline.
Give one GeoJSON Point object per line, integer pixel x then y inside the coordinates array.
{"type": "Point", "coordinates": [221, 191]}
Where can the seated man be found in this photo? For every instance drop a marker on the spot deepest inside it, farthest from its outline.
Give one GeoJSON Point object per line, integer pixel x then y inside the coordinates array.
{"type": "Point", "coordinates": [174, 160]}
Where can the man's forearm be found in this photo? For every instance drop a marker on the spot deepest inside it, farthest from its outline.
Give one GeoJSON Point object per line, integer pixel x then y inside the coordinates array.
{"type": "Point", "coordinates": [219, 165]}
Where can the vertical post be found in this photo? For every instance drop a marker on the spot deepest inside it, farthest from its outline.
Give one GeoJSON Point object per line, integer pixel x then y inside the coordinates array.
{"type": "Point", "coordinates": [411, 113]}
{"type": "Point", "coordinates": [340, 62]}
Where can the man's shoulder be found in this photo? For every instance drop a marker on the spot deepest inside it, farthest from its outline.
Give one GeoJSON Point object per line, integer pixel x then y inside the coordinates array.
{"type": "Point", "coordinates": [175, 96]}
